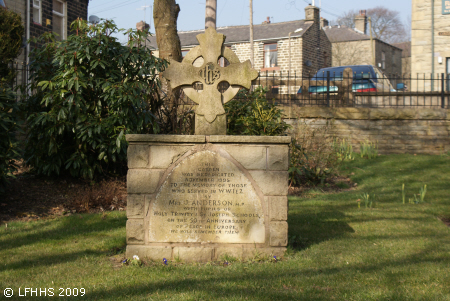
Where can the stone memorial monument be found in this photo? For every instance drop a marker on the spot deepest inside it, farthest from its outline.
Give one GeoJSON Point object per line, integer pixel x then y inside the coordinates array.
{"type": "Point", "coordinates": [200, 197]}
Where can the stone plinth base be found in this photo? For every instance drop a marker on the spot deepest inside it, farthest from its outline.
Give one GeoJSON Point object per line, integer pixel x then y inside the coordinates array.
{"type": "Point", "coordinates": [202, 198]}
{"type": "Point", "coordinates": [201, 254]}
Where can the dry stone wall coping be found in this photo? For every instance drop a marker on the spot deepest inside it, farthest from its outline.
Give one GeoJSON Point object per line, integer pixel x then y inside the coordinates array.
{"type": "Point", "coordinates": [367, 113]}
{"type": "Point", "coordinates": [395, 130]}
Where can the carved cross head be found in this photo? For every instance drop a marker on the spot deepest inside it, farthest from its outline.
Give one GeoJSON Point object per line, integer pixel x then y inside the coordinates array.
{"type": "Point", "coordinates": [210, 101]}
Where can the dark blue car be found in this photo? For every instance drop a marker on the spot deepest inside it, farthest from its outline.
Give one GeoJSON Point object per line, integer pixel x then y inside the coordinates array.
{"type": "Point", "coordinates": [366, 78]}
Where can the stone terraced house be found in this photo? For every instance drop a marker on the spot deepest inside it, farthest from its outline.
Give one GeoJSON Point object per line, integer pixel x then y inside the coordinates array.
{"type": "Point", "coordinates": [353, 47]}
{"type": "Point", "coordinates": [310, 48]}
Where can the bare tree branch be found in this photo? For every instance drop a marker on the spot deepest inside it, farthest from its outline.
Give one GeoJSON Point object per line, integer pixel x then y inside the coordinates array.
{"type": "Point", "coordinates": [386, 24]}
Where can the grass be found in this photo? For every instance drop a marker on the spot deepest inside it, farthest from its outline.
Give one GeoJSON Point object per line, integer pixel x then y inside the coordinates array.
{"type": "Point", "coordinates": [392, 251]}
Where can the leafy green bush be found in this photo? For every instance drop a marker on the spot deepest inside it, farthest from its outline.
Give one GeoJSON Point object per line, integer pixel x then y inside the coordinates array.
{"type": "Point", "coordinates": [89, 92]}
{"type": "Point", "coordinates": [8, 129]}
{"type": "Point", "coordinates": [11, 32]}
{"type": "Point", "coordinates": [297, 163]}
{"type": "Point", "coordinates": [251, 114]}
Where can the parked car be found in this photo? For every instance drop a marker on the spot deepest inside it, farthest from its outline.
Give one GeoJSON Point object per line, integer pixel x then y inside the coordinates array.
{"type": "Point", "coordinates": [366, 78]}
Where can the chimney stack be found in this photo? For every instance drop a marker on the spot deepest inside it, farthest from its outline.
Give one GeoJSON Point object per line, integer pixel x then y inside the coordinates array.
{"type": "Point", "coordinates": [361, 22]}
{"type": "Point", "coordinates": [267, 21]}
{"type": "Point", "coordinates": [312, 14]}
{"type": "Point", "coordinates": [323, 22]}
{"type": "Point", "coordinates": [142, 26]}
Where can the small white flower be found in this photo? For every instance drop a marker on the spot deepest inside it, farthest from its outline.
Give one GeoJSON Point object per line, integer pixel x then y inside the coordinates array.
{"type": "Point", "coordinates": [136, 257]}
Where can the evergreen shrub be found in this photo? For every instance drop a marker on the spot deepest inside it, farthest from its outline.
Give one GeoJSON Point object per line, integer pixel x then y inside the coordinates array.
{"type": "Point", "coordinates": [89, 92]}
{"type": "Point", "coordinates": [11, 40]}
{"type": "Point", "coordinates": [9, 126]}
{"type": "Point", "coordinates": [251, 114]}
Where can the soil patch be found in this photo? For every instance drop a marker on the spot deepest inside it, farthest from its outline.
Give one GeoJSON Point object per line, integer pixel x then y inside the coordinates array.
{"type": "Point", "coordinates": [445, 220]}
{"type": "Point", "coordinates": [31, 197]}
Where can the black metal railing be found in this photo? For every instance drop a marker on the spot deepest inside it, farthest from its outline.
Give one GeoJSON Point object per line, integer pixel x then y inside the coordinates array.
{"type": "Point", "coordinates": [19, 81]}
{"type": "Point", "coordinates": [329, 89]}
{"type": "Point", "coordinates": [356, 90]}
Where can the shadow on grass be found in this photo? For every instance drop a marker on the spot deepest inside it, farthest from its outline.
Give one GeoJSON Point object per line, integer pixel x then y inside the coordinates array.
{"type": "Point", "coordinates": [398, 168]}
{"type": "Point", "coordinates": [75, 226]}
{"type": "Point", "coordinates": [49, 260]}
{"type": "Point", "coordinates": [313, 227]}
{"type": "Point", "coordinates": [269, 284]}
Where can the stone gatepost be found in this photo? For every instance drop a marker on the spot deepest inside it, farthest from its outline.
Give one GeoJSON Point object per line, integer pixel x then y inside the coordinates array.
{"type": "Point", "coordinates": [200, 197]}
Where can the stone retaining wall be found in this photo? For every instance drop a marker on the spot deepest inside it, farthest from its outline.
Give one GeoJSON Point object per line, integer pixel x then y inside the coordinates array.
{"type": "Point", "coordinates": [169, 217]}
{"type": "Point", "coordinates": [418, 130]}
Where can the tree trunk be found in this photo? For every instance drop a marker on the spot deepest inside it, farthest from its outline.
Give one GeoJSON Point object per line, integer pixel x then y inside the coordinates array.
{"type": "Point", "coordinates": [165, 15]}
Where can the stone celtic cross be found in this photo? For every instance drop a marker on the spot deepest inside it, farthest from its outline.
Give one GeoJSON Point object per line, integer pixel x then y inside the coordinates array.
{"type": "Point", "coordinates": [210, 115]}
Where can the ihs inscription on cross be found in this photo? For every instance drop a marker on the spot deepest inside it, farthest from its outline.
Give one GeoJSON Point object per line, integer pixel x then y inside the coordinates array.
{"type": "Point", "coordinates": [210, 116]}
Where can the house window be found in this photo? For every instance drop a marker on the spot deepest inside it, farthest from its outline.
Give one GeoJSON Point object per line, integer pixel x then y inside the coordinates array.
{"type": "Point", "coordinates": [59, 18]}
{"type": "Point", "coordinates": [270, 55]}
{"type": "Point", "coordinates": [383, 60]}
{"type": "Point", "coordinates": [37, 11]}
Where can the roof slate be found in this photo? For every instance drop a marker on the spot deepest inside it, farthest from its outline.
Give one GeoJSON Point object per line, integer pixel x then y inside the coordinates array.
{"type": "Point", "coordinates": [344, 34]}
{"type": "Point", "coordinates": [235, 34]}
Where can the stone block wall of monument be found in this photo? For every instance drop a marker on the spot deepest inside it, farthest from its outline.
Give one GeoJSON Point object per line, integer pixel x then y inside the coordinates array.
{"type": "Point", "coordinates": [199, 198]}
{"type": "Point", "coordinates": [421, 39]}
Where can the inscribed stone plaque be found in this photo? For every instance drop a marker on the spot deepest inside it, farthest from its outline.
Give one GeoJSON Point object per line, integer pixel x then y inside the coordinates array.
{"type": "Point", "coordinates": [206, 198]}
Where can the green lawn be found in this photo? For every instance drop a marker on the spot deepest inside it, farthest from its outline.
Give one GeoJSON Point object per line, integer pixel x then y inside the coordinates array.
{"type": "Point", "coordinates": [392, 251]}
